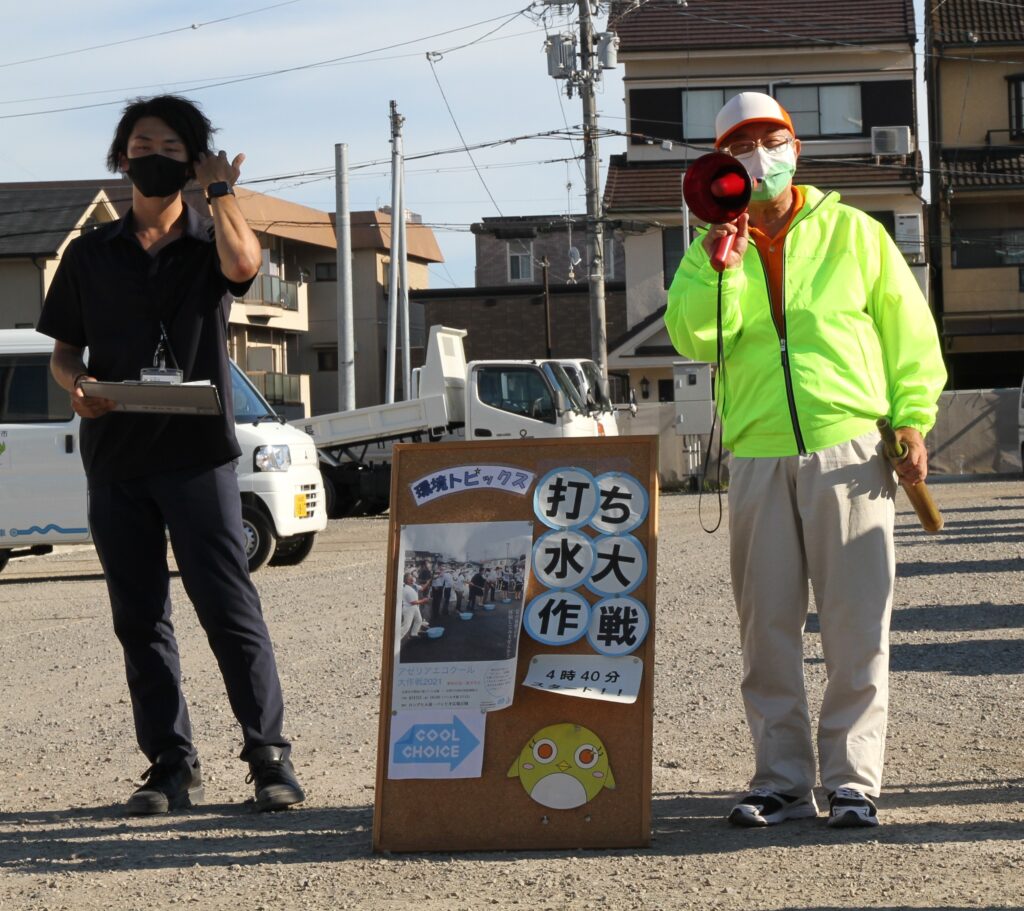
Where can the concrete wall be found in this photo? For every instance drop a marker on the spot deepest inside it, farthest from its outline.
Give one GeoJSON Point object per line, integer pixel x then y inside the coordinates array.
{"type": "Point", "coordinates": [975, 433]}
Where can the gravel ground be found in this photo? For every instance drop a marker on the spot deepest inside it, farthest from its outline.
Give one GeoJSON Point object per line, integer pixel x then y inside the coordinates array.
{"type": "Point", "coordinates": [953, 806]}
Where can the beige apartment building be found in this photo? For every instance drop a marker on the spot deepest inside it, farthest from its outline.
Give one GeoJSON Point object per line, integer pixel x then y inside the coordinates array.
{"type": "Point", "coordinates": [976, 91]}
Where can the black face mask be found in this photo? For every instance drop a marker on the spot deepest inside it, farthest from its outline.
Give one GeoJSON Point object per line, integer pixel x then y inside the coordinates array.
{"type": "Point", "coordinates": [157, 175]}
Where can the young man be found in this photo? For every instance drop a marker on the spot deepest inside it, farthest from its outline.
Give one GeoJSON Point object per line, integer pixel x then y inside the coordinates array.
{"type": "Point", "coordinates": [155, 288]}
{"type": "Point", "coordinates": [823, 330]}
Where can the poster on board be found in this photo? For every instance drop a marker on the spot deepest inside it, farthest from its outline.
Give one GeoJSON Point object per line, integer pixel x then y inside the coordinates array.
{"type": "Point", "coordinates": [458, 614]}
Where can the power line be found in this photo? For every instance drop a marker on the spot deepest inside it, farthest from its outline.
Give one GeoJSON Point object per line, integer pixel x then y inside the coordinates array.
{"type": "Point", "coordinates": [278, 72]}
{"type": "Point", "coordinates": [184, 83]}
{"type": "Point", "coordinates": [171, 31]}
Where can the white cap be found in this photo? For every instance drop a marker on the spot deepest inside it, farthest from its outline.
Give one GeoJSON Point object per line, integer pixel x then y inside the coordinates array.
{"type": "Point", "coordinates": [749, 107]}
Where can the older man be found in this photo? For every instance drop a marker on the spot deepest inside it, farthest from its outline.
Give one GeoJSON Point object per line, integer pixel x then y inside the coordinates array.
{"type": "Point", "coordinates": [819, 329]}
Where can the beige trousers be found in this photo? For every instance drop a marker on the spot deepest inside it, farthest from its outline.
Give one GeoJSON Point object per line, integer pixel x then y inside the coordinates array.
{"type": "Point", "coordinates": [828, 518]}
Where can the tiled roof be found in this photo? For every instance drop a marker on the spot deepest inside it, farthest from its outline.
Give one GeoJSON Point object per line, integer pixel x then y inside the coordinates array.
{"type": "Point", "coordinates": [36, 221]}
{"type": "Point", "coordinates": [983, 168]}
{"type": "Point", "coordinates": [665, 25]}
{"type": "Point", "coordinates": [969, 23]}
{"type": "Point", "coordinates": [648, 187]}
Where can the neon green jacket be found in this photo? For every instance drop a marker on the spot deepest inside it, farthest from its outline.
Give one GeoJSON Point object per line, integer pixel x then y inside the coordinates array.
{"type": "Point", "coordinates": [858, 340]}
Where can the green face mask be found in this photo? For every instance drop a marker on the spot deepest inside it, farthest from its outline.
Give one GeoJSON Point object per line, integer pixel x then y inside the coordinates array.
{"type": "Point", "coordinates": [771, 174]}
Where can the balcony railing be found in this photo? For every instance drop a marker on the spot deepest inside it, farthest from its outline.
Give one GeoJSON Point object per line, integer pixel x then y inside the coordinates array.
{"type": "Point", "coordinates": [272, 291]}
{"type": "Point", "coordinates": [278, 388]}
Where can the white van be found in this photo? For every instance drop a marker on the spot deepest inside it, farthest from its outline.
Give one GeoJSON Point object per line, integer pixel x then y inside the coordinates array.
{"type": "Point", "coordinates": [42, 483]}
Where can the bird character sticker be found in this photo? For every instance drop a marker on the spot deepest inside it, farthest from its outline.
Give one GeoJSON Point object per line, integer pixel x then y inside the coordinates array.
{"type": "Point", "coordinates": [563, 766]}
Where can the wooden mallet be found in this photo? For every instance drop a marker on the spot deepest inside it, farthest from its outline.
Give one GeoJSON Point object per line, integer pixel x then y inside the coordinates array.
{"type": "Point", "coordinates": [918, 494]}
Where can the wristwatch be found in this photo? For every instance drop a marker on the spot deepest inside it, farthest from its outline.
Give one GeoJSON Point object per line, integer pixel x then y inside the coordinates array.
{"type": "Point", "coordinates": [217, 189]}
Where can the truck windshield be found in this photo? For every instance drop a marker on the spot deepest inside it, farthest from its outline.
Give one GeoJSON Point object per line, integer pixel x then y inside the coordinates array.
{"type": "Point", "coordinates": [250, 406]}
{"type": "Point", "coordinates": [561, 380]}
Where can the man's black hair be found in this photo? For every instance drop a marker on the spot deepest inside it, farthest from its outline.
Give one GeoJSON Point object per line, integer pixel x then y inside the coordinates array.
{"type": "Point", "coordinates": [180, 114]}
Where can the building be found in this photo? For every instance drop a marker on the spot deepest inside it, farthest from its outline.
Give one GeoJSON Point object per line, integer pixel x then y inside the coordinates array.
{"type": "Point", "coordinates": [36, 225]}
{"type": "Point", "coordinates": [516, 310]}
{"type": "Point", "coordinates": [844, 72]}
{"type": "Point", "coordinates": [976, 82]}
{"type": "Point", "coordinates": [371, 263]}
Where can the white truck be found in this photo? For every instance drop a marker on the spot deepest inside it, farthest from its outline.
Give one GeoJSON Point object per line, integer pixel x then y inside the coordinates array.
{"type": "Point", "coordinates": [453, 400]}
{"type": "Point", "coordinates": [43, 496]}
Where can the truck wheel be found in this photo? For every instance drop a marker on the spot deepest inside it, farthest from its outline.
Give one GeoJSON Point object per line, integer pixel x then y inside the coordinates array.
{"type": "Point", "coordinates": [292, 551]}
{"type": "Point", "coordinates": [330, 497]}
{"type": "Point", "coordinates": [259, 537]}
{"type": "Point", "coordinates": [5, 555]}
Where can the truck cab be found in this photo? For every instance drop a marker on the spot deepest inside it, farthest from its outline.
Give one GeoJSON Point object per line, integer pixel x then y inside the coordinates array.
{"type": "Point", "coordinates": [43, 494]}
{"type": "Point", "coordinates": [527, 399]}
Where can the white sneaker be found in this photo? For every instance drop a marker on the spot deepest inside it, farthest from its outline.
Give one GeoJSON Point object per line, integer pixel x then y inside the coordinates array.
{"type": "Point", "coordinates": [848, 807]}
{"type": "Point", "coordinates": [762, 807]}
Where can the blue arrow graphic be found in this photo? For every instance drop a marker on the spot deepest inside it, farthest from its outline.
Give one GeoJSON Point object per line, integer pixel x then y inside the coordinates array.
{"type": "Point", "coordinates": [436, 743]}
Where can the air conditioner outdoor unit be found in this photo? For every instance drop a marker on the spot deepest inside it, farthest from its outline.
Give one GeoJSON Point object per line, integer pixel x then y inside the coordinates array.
{"type": "Point", "coordinates": [908, 235]}
{"type": "Point", "coordinates": [890, 140]}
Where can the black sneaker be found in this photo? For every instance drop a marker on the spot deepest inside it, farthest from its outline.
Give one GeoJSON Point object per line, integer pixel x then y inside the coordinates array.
{"type": "Point", "coordinates": [271, 772]}
{"type": "Point", "coordinates": [849, 808]}
{"type": "Point", "coordinates": [762, 807]}
{"type": "Point", "coordinates": [168, 786]}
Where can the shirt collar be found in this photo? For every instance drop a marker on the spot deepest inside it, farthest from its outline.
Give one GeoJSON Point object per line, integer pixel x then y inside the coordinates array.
{"type": "Point", "coordinates": [197, 226]}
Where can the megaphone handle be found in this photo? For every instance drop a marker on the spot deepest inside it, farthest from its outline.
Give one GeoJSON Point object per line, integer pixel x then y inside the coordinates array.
{"type": "Point", "coordinates": [720, 253]}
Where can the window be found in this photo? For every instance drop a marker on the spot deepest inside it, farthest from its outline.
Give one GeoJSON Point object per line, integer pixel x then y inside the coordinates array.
{"type": "Point", "coordinates": [28, 392]}
{"type": "Point", "coordinates": [887, 219]}
{"type": "Point", "coordinates": [327, 360]}
{"type": "Point", "coordinates": [823, 110]}
{"type": "Point", "coordinates": [1016, 89]}
{"type": "Point", "coordinates": [701, 105]}
{"type": "Point", "coordinates": [848, 109]}
{"type": "Point", "coordinates": [609, 257]}
{"type": "Point", "coordinates": [672, 251]}
{"type": "Point", "coordinates": [987, 248]}
{"type": "Point", "coordinates": [517, 390]}
{"type": "Point", "coordinates": [520, 261]}
{"type": "Point", "coordinates": [325, 272]}
{"type": "Point", "coordinates": [665, 391]}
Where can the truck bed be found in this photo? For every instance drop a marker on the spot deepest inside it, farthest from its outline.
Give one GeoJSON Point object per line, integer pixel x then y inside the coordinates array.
{"type": "Point", "coordinates": [376, 423]}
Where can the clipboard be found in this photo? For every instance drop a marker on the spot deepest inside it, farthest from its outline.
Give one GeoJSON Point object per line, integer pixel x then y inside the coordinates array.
{"type": "Point", "coordinates": [158, 398]}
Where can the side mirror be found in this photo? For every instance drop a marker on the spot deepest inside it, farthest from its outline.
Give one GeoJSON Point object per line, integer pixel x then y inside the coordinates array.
{"type": "Point", "coordinates": [561, 402]}
{"type": "Point", "coordinates": [632, 402]}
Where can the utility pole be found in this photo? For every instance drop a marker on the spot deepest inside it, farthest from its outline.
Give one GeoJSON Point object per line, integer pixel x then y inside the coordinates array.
{"type": "Point", "coordinates": [545, 265]}
{"type": "Point", "coordinates": [403, 274]}
{"type": "Point", "coordinates": [343, 237]}
{"type": "Point", "coordinates": [588, 75]}
{"type": "Point", "coordinates": [393, 270]}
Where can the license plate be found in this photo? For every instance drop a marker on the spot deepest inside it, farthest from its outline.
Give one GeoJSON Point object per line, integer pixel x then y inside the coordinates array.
{"type": "Point", "coordinates": [300, 506]}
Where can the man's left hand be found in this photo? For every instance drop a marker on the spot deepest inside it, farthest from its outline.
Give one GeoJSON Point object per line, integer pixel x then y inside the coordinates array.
{"type": "Point", "coordinates": [913, 467]}
{"type": "Point", "coordinates": [215, 168]}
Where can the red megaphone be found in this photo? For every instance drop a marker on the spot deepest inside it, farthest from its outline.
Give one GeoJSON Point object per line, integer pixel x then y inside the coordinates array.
{"type": "Point", "coordinates": [716, 188]}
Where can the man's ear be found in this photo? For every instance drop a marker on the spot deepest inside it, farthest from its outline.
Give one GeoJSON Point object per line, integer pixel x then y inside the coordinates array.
{"type": "Point", "coordinates": [796, 147]}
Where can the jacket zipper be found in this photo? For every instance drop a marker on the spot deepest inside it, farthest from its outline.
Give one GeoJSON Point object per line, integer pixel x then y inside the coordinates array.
{"type": "Point", "coordinates": [781, 331]}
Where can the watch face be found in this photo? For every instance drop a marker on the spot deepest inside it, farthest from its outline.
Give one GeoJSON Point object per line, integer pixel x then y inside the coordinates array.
{"type": "Point", "coordinates": [220, 188]}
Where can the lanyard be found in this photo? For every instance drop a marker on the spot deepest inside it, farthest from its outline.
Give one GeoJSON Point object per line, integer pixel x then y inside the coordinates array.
{"type": "Point", "coordinates": [163, 349]}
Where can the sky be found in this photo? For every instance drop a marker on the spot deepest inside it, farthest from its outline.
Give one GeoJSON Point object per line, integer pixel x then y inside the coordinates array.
{"type": "Point", "coordinates": [57, 114]}
{"type": "Point", "coordinates": [68, 67]}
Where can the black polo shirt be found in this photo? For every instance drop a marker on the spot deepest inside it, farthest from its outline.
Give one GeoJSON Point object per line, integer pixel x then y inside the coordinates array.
{"type": "Point", "coordinates": [109, 295]}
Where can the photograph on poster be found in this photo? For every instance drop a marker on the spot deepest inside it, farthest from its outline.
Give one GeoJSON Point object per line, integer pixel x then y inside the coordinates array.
{"type": "Point", "coordinates": [459, 612]}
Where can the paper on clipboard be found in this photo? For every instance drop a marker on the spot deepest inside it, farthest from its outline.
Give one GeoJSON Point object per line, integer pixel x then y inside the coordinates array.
{"type": "Point", "coordinates": [157, 398]}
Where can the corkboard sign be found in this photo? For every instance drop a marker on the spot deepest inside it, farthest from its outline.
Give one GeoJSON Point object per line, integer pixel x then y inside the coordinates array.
{"type": "Point", "coordinates": [518, 668]}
